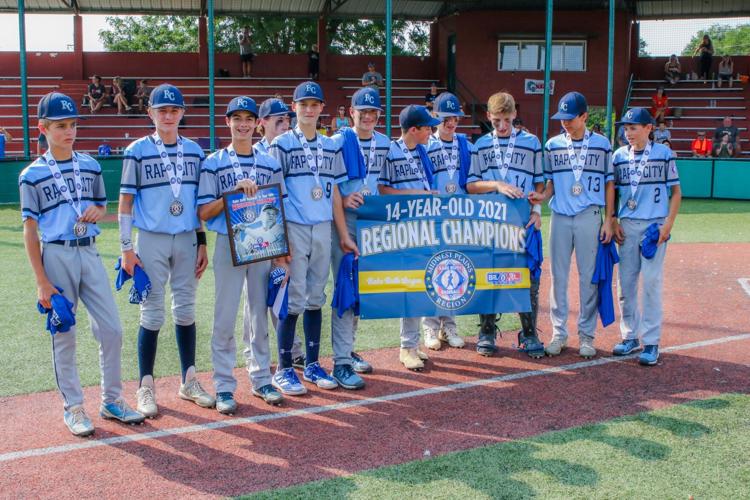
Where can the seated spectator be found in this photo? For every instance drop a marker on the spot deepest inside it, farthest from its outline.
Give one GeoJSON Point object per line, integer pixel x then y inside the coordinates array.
{"type": "Point", "coordinates": [659, 104]}
{"type": "Point", "coordinates": [661, 134]}
{"type": "Point", "coordinates": [118, 96]}
{"type": "Point", "coordinates": [313, 62]}
{"type": "Point", "coordinates": [430, 98]}
{"type": "Point", "coordinates": [672, 70]}
{"type": "Point", "coordinates": [372, 78]}
{"type": "Point", "coordinates": [41, 145]}
{"type": "Point", "coordinates": [96, 94]}
{"type": "Point", "coordinates": [726, 70]}
{"type": "Point", "coordinates": [340, 120]}
{"type": "Point", "coordinates": [104, 149]}
{"type": "Point", "coordinates": [322, 129]}
{"type": "Point", "coordinates": [667, 144]}
{"type": "Point", "coordinates": [728, 128]}
{"type": "Point", "coordinates": [4, 137]}
{"type": "Point", "coordinates": [141, 96]}
{"type": "Point", "coordinates": [723, 149]}
{"type": "Point", "coordinates": [701, 147]}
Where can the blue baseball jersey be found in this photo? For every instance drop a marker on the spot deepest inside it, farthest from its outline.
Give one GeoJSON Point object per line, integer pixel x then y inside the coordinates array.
{"type": "Point", "coordinates": [597, 171]}
{"type": "Point", "coordinates": [658, 176]}
{"type": "Point", "coordinates": [441, 178]}
{"type": "Point", "coordinates": [145, 177]}
{"type": "Point", "coordinates": [218, 177]}
{"type": "Point", "coordinates": [382, 145]}
{"type": "Point", "coordinates": [299, 205]}
{"type": "Point", "coordinates": [42, 201]}
{"type": "Point", "coordinates": [399, 173]}
{"type": "Point", "coordinates": [524, 167]}
{"type": "Point", "coordinates": [262, 145]}
{"type": "Point", "coordinates": [2, 145]}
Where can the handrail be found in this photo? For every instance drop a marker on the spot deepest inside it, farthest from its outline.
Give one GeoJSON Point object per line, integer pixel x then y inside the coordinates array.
{"type": "Point", "coordinates": [475, 104]}
{"type": "Point", "coordinates": [628, 94]}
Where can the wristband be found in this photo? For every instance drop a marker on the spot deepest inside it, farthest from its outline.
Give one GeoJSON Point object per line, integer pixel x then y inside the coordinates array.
{"type": "Point", "coordinates": [126, 229]}
{"type": "Point", "coordinates": [201, 235]}
{"type": "Point", "coordinates": [537, 209]}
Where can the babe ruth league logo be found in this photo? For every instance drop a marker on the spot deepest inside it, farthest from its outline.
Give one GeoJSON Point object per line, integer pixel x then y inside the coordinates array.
{"type": "Point", "coordinates": [249, 215]}
{"type": "Point", "coordinates": [67, 106]}
{"type": "Point", "coordinates": [450, 279]}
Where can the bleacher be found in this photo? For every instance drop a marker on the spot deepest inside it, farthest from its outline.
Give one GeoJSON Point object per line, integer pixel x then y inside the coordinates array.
{"type": "Point", "coordinates": [703, 107]}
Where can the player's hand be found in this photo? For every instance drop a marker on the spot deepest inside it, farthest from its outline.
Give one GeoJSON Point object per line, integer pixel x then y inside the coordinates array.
{"type": "Point", "coordinates": [606, 232]}
{"type": "Point", "coordinates": [248, 187]}
{"type": "Point", "coordinates": [283, 262]}
{"type": "Point", "coordinates": [129, 260]}
{"type": "Point", "coordinates": [201, 263]}
{"type": "Point", "coordinates": [534, 220]}
{"type": "Point", "coordinates": [536, 198]}
{"type": "Point", "coordinates": [44, 292]}
{"type": "Point", "coordinates": [348, 245]}
{"type": "Point", "coordinates": [509, 190]}
{"type": "Point", "coordinates": [92, 214]}
{"type": "Point", "coordinates": [664, 231]}
{"type": "Point", "coordinates": [618, 233]}
{"type": "Point", "coordinates": [354, 200]}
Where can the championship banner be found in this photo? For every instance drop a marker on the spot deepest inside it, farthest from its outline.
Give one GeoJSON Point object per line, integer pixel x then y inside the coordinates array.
{"type": "Point", "coordinates": [423, 255]}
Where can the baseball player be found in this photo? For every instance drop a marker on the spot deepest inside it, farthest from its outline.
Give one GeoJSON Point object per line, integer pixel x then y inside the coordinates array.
{"type": "Point", "coordinates": [450, 154]}
{"type": "Point", "coordinates": [646, 175]}
{"type": "Point", "coordinates": [312, 166]}
{"type": "Point", "coordinates": [508, 160]}
{"type": "Point", "coordinates": [405, 172]}
{"type": "Point", "coordinates": [373, 146]}
{"type": "Point", "coordinates": [273, 120]}
{"type": "Point", "coordinates": [580, 184]}
{"type": "Point", "coordinates": [62, 199]}
{"type": "Point", "coordinates": [239, 166]}
{"type": "Point", "coordinates": [158, 195]}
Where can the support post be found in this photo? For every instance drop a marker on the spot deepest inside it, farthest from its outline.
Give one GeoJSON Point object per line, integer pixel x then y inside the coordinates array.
{"type": "Point", "coordinates": [211, 100]}
{"type": "Point", "coordinates": [24, 83]}
{"type": "Point", "coordinates": [388, 64]}
{"type": "Point", "coordinates": [610, 68]}
{"type": "Point", "coordinates": [547, 70]}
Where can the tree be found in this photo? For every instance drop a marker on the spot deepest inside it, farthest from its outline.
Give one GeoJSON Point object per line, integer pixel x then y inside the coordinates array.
{"type": "Point", "coordinates": [727, 40]}
{"type": "Point", "coordinates": [368, 37]}
{"type": "Point", "coordinates": [643, 48]}
{"type": "Point", "coordinates": [150, 34]}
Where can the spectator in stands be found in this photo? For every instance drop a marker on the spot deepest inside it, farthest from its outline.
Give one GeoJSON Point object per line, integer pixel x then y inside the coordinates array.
{"type": "Point", "coordinates": [340, 120]}
{"type": "Point", "coordinates": [706, 52]}
{"type": "Point", "coordinates": [4, 137]}
{"type": "Point", "coordinates": [701, 146]}
{"type": "Point", "coordinates": [672, 70]}
{"type": "Point", "coordinates": [518, 125]}
{"type": "Point", "coordinates": [118, 96]}
{"type": "Point", "coordinates": [322, 129]}
{"type": "Point", "coordinates": [724, 148]}
{"type": "Point", "coordinates": [313, 62]}
{"type": "Point", "coordinates": [97, 93]}
{"type": "Point", "coordinates": [372, 78]}
{"type": "Point", "coordinates": [246, 51]}
{"type": "Point", "coordinates": [726, 70]}
{"type": "Point", "coordinates": [662, 134]}
{"type": "Point", "coordinates": [430, 98]}
{"type": "Point", "coordinates": [728, 128]}
{"type": "Point", "coordinates": [41, 145]}
{"type": "Point", "coordinates": [668, 144]}
{"type": "Point", "coordinates": [659, 104]}
{"type": "Point", "coordinates": [104, 149]}
{"type": "Point", "coordinates": [141, 96]}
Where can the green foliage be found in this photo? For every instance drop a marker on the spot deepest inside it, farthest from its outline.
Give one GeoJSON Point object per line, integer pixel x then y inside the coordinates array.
{"type": "Point", "coordinates": [150, 34]}
{"type": "Point", "coordinates": [643, 48]}
{"type": "Point", "coordinates": [368, 37]}
{"type": "Point", "coordinates": [727, 40]}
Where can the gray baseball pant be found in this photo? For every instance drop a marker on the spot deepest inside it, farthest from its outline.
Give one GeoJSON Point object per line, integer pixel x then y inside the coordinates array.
{"type": "Point", "coordinates": [344, 329]}
{"type": "Point", "coordinates": [311, 258]}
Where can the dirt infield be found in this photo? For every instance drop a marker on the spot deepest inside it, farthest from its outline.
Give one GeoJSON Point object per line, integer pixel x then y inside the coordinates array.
{"type": "Point", "coordinates": [462, 401]}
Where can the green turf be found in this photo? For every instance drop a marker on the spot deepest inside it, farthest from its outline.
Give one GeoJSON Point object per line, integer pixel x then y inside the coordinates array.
{"type": "Point", "coordinates": [26, 356]}
{"type": "Point", "coordinates": [696, 450]}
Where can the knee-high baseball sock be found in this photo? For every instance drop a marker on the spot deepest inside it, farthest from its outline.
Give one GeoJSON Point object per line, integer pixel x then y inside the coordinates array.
{"type": "Point", "coordinates": [311, 323]}
{"type": "Point", "coordinates": [185, 346]}
{"type": "Point", "coordinates": [147, 340]}
{"type": "Point", "coordinates": [285, 339]}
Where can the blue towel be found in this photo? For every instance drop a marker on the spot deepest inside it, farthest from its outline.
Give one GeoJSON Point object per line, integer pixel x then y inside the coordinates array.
{"type": "Point", "coordinates": [346, 293]}
{"type": "Point", "coordinates": [278, 296]}
{"type": "Point", "coordinates": [606, 258]}
{"type": "Point", "coordinates": [427, 165]}
{"type": "Point", "coordinates": [534, 257]}
{"type": "Point", "coordinates": [353, 160]}
{"type": "Point", "coordinates": [141, 282]}
{"type": "Point", "coordinates": [464, 160]}
{"type": "Point", "coordinates": [650, 240]}
{"type": "Point", "coordinates": [60, 317]}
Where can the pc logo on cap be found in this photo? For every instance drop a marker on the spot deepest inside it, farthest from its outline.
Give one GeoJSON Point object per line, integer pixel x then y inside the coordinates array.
{"type": "Point", "coordinates": [416, 116]}
{"type": "Point", "coordinates": [446, 104]}
{"type": "Point", "coordinates": [308, 90]}
{"type": "Point", "coordinates": [242, 103]}
{"type": "Point", "coordinates": [636, 116]}
{"type": "Point", "coordinates": [366, 98]}
{"type": "Point", "coordinates": [166, 95]}
{"type": "Point", "coordinates": [56, 106]}
{"type": "Point", "coordinates": [571, 105]}
{"type": "Point", "coordinates": [274, 107]}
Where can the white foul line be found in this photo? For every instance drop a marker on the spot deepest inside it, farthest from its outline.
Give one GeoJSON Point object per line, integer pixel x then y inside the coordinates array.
{"type": "Point", "coordinates": [745, 284]}
{"type": "Point", "coordinates": [37, 452]}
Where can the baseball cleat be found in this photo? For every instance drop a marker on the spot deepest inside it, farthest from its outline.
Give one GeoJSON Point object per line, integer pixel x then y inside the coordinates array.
{"type": "Point", "coordinates": [146, 401]}
{"type": "Point", "coordinates": [649, 356]}
{"type": "Point", "coordinates": [268, 394]}
{"type": "Point", "coordinates": [449, 334]}
{"type": "Point", "coordinates": [317, 375]}
{"type": "Point", "coordinates": [431, 340]}
{"type": "Point", "coordinates": [555, 346]}
{"type": "Point", "coordinates": [531, 345]}
{"type": "Point", "coordinates": [627, 346]}
{"type": "Point", "coordinates": [486, 346]}
{"type": "Point", "coordinates": [225, 403]}
{"type": "Point", "coordinates": [359, 364]}
{"type": "Point", "coordinates": [586, 348]}
{"type": "Point", "coordinates": [78, 422]}
{"type": "Point", "coordinates": [119, 410]}
{"type": "Point", "coordinates": [285, 380]}
{"type": "Point", "coordinates": [191, 390]}
{"type": "Point", "coordinates": [410, 359]}
{"type": "Point", "coordinates": [347, 378]}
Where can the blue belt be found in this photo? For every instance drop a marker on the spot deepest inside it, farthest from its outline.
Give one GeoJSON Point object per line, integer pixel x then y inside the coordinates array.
{"type": "Point", "coordinates": [82, 242]}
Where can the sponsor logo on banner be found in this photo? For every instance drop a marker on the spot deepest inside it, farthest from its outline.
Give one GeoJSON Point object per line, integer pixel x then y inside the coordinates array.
{"type": "Point", "coordinates": [504, 278]}
{"type": "Point", "coordinates": [537, 86]}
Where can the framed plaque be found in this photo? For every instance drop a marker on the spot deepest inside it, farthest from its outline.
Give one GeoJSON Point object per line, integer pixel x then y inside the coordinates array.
{"type": "Point", "coordinates": [256, 226]}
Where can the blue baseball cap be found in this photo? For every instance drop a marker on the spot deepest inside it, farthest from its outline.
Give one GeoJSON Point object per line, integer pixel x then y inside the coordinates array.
{"type": "Point", "coordinates": [570, 106]}
{"type": "Point", "coordinates": [366, 98]}
{"type": "Point", "coordinates": [447, 104]}
{"type": "Point", "coordinates": [274, 107]}
{"type": "Point", "coordinates": [308, 90]}
{"type": "Point", "coordinates": [636, 116]}
{"type": "Point", "coordinates": [242, 103]}
{"type": "Point", "coordinates": [56, 106]}
{"type": "Point", "coordinates": [166, 95]}
{"type": "Point", "coordinates": [415, 115]}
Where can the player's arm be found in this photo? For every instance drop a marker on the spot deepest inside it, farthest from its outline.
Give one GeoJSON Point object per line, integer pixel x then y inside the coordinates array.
{"type": "Point", "coordinates": [7, 135]}
{"type": "Point", "coordinates": [383, 189]}
{"type": "Point", "coordinates": [201, 262]}
{"type": "Point", "coordinates": [125, 221]}
{"type": "Point", "coordinates": [608, 227]}
{"type": "Point", "coordinates": [674, 206]}
{"type": "Point", "coordinates": [339, 219]}
{"type": "Point", "coordinates": [210, 210]}
{"type": "Point", "coordinates": [484, 187]}
{"type": "Point", "coordinates": [535, 217]}
{"type": "Point", "coordinates": [44, 288]}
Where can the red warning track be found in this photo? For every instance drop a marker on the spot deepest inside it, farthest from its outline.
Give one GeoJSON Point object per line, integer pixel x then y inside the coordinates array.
{"type": "Point", "coordinates": [181, 453]}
